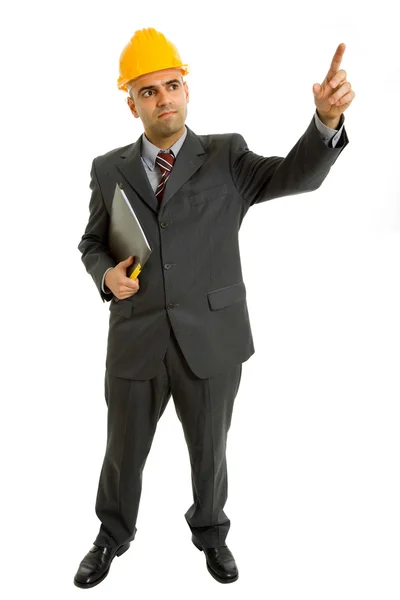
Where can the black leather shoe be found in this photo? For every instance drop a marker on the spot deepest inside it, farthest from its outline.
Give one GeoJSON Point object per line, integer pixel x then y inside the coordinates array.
{"type": "Point", "coordinates": [220, 562]}
{"type": "Point", "coordinates": [96, 565]}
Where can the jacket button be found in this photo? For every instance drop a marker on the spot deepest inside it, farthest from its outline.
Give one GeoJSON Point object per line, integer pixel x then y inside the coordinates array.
{"type": "Point", "coordinates": [164, 224]}
{"type": "Point", "coordinates": [172, 305]}
{"type": "Point", "coordinates": [167, 266]}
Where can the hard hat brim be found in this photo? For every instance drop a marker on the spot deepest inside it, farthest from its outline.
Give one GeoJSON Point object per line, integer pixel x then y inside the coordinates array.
{"type": "Point", "coordinates": [184, 68]}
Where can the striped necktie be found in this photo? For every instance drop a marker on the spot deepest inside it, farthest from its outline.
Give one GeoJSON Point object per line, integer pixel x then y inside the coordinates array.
{"type": "Point", "coordinates": [165, 161]}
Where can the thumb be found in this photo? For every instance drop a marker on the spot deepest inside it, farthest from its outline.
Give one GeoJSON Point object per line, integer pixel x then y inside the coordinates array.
{"type": "Point", "coordinates": [317, 89]}
{"type": "Point", "coordinates": [127, 260]}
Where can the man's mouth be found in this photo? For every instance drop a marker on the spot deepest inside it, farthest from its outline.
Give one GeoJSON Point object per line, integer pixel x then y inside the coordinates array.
{"type": "Point", "coordinates": [165, 114]}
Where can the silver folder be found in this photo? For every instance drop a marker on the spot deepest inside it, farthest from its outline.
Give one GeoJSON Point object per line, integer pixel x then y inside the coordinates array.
{"type": "Point", "coordinates": [126, 236]}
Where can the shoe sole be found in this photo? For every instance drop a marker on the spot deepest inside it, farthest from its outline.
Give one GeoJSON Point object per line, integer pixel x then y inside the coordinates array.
{"type": "Point", "coordinates": [123, 549]}
{"type": "Point", "coordinates": [213, 573]}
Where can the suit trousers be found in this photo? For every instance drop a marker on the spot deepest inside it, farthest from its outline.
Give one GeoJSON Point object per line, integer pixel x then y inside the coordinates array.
{"type": "Point", "coordinates": [204, 408]}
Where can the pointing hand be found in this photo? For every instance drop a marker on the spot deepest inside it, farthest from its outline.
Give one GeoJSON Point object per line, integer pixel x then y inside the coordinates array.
{"type": "Point", "coordinates": [334, 95]}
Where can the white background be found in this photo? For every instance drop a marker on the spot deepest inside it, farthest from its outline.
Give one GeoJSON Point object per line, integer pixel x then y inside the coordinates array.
{"type": "Point", "coordinates": [313, 450]}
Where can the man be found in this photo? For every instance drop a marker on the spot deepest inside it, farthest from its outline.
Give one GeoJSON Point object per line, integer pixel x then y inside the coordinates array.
{"type": "Point", "coordinates": [185, 330]}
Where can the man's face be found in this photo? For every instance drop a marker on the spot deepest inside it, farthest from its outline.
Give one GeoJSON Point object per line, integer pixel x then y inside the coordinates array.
{"type": "Point", "coordinates": [158, 93]}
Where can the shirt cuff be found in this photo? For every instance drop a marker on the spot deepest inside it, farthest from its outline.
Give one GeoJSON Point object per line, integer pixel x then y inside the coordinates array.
{"type": "Point", "coordinates": [327, 133]}
{"type": "Point", "coordinates": [104, 288]}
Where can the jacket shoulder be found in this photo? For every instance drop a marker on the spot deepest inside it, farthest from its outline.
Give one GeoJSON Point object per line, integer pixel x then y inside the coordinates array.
{"type": "Point", "coordinates": [217, 143]}
{"type": "Point", "coordinates": [111, 155]}
{"type": "Point", "coordinates": [218, 139]}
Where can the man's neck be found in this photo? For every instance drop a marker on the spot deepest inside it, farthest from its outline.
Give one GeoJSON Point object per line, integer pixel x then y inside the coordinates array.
{"type": "Point", "coordinates": [165, 143]}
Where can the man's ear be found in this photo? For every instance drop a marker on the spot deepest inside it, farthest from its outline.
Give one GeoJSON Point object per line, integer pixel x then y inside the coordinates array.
{"type": "Point", "coordinates": [185, 85]}
{"type": "Point", "coordinates": [132, 107]}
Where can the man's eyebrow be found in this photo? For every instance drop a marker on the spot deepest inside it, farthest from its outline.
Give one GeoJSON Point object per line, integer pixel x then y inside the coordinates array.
{"type": "Point", "coordinates": [150, 87]}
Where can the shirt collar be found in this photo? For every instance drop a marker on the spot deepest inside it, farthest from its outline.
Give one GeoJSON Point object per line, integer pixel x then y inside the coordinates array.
{"type": "Point", "coordinates": [149, 151]}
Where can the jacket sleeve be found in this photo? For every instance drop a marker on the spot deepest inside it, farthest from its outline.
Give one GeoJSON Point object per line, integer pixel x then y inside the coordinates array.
{"type": "Point", "coordinates": [96, 255]}
{"type": "Point", "coordinates": [258, 178]}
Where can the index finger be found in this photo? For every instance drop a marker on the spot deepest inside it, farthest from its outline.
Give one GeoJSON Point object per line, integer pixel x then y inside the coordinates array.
{"type": "Point", "coordinates": [131, 283]}
{"type": "Point", "coordinates": [336, 60]}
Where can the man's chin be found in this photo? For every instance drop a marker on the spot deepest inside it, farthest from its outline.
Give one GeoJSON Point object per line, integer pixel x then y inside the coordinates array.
{"type": "Point", "coordinates": [169, 126]}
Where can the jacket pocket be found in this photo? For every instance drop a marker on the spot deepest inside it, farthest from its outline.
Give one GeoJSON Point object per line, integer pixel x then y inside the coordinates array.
{"type": "Point", "coordinates": [227, 295]}
{"type": "Point", "coordinates": [210, 194]}
{"type": "Point", "coordinates": [123, 308]}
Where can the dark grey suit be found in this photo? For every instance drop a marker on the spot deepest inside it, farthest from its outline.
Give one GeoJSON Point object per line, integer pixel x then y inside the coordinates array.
{"type": "Point", "coordinates": [187, 330]}
{"type": "Point", "coordinates": [193, 280]}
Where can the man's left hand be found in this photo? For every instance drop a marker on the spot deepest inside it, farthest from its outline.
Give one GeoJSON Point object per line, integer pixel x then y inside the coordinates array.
{"type": "Point", "coordinates": [334, 95]}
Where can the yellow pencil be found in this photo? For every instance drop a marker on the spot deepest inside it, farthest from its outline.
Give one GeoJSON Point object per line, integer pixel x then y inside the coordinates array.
{"type": "Point", "coordinates": [136, 271]}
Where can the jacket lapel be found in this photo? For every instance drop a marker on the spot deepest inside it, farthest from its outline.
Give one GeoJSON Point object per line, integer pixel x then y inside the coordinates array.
{"type": "Point", "coordinates": [131, 166]}
{"type": "Point", "coordinates": [190, 158]}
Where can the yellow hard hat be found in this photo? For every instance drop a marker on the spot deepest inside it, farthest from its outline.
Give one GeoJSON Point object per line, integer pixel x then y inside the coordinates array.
{"type": "Point", "coordinates": [148, 51]}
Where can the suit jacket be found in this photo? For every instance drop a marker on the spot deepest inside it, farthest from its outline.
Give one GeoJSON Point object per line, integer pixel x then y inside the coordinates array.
{"type": "Point", "coordinates": [193, 279]}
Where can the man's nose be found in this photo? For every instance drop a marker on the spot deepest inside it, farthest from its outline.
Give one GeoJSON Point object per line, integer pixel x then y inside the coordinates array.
{"type": "Point", "coordinates": [163, 97]}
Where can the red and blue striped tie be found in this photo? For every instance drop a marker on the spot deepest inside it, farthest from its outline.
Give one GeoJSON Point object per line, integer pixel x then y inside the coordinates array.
{"type": "Point", "coordinates": [165, 161]}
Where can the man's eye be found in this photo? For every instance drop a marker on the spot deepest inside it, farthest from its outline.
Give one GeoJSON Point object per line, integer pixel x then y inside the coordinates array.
{"type": "Point", "coordinates": [151, 91]}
